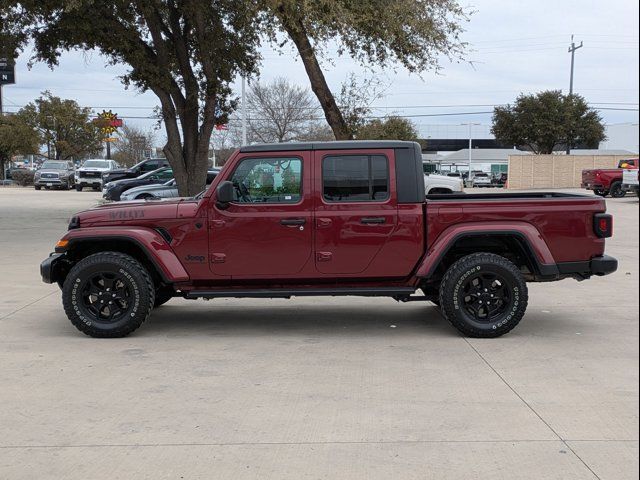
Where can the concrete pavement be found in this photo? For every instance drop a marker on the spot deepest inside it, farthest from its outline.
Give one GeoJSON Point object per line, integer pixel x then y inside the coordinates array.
{"type": "Point", "coordinates": [314, 388]}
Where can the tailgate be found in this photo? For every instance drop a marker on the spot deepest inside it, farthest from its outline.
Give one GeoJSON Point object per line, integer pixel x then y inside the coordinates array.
{"type": "Point", "coordinates": [588, 177]}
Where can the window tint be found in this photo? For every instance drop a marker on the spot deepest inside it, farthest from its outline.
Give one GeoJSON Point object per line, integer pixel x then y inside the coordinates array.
{"type": "Point", "coordinates": [150, 166]}
{"type": "Point", "coordinates": [355, 178]}
{"type": "Point", "coordinates": [268, 180]}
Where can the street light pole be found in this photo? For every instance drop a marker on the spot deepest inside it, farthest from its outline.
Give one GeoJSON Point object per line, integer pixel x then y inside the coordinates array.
{"type": "Point", "coordinates": [470, 142]}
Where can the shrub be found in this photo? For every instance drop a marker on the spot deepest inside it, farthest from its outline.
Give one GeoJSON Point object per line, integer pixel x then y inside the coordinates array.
{"type": "Point", "coordinates": [23, 177]}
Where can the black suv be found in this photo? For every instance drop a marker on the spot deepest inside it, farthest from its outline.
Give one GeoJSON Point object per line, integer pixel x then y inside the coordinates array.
{"type": "Point", "coordinates": [138, 169]}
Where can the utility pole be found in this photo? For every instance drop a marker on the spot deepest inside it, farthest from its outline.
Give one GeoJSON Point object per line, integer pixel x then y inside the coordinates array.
{"type": "Point", "coordinates": [244, 111]}
{"type": "Point", "coordinates": [572, 51]}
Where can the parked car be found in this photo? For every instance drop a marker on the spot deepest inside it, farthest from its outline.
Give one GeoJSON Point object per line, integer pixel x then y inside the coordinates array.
{"type": "Point", "coordinates": [55, 174]}
{"type": "Point", "coordinates": [630, 181]}
{"type": "Point", "coordinates": [113, 190]}
{"type": "Point", "coordinates": [481, 180]}
{"type": "Point", "coordinates": [468, 181]}
{"type": "Point", "coordinates": [168, 189]}
{"type": "Point", "coordinates": [608, 181]}
{"type": "Point", "coordinates": [500, 180]}
{"type": "Point", "coordinates": [442, 184]}
{"type": "Point", "coordinates": [91, 171]}
{"type": "Point", "coordinates": [138, 169]}
{"type": "Point", "coordinates": [327, 219]}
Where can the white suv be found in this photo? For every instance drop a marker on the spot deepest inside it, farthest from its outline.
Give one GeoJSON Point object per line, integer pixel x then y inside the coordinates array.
{"type": "Point", "coordinates": [90, 173]}
{"type": "Point", "coordinates": [436, 184]}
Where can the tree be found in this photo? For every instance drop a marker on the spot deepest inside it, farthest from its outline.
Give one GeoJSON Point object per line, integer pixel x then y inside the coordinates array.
{"type": "Point", "coordinates": [356, 98]}
{"type": "Point", "coordinates": [390, 128]}
{"type": "Point", "coordinates": [279, 111]}
{"type": "Point", "coordinates": [65, 128]}
{"type": "Point", "coordinates": [378, 32]}
{"type": "Point", "coordinates": [132, 144]}
{"type": "Point", "coordinates": [548, 121]}
{"type": "Point", "coordinates": [185, 52]}
{"type": "Point", "coordinates": [16, 137]}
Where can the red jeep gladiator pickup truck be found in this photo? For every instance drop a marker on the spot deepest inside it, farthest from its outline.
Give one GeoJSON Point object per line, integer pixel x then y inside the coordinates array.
{"type": "Point", "coordinates": [608, 181]}
{"type": "Point", "coordinates": [333, 219]}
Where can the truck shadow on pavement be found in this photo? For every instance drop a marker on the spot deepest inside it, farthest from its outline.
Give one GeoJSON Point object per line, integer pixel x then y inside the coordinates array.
{"type": "Point", "coordinates": [296, 319]}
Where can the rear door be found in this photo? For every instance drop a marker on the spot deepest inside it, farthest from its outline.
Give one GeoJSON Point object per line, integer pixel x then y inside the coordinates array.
{"type": "Point", "coordinates": [266, 231]}
{"type": "Point", "coordinates": [356, 210]}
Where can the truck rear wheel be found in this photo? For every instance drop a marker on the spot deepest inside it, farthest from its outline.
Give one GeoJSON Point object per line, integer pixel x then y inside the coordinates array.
{"type": "Point", "coordinates": [616, 190]}
{"type": "Point", "coordinates": [108, 295]}
{"type": "Point", "coordinates": [483, 295]}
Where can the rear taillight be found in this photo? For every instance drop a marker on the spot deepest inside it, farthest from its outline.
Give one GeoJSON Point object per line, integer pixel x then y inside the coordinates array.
{"type": "Point", "coordinates": [603, 225]}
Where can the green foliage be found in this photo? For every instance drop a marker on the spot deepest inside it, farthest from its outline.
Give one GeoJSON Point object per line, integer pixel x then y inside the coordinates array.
{"type": "Point", "coordinates": [186, 52]}
{"type": "Point", "coordinates": [16, 137]}
{"type": "Point", "coordinates": [23, 177]}
{"type": "Point", "coordinates": [391, 128]}
{"type": "Point", "coordinates": [547, 121]}
{"type": "Point", "coordinates": [412, 33]}
{"type": "Point", "coordinates": [64, 126]}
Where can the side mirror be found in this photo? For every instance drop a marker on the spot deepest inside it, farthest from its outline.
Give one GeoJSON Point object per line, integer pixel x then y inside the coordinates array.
{"type": "Point", "coordinates": [224, 195]}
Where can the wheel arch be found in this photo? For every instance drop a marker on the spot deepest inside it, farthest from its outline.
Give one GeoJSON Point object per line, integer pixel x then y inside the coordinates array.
{"type": "Point", "coordinates": [147, 246]}
{"type": "Point", "coordinates": [522, 244]}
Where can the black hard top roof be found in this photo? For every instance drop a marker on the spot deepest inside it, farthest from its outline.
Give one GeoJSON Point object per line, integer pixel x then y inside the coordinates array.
{"type": "Point", "coordinates": [340, 145]}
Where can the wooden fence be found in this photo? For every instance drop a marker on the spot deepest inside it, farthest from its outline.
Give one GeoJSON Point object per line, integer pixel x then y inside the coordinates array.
{"type": "Point", "coordinates": [555, 171]}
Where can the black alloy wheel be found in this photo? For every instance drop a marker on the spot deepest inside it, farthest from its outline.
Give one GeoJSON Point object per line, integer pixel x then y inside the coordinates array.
{"type": "Point", "coordinates": [483, 295]}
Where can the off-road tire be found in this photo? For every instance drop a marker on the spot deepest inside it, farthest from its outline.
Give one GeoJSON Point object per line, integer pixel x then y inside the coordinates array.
{"type": "Point", "coordinates": [452, 296]}
{"type": "Point", "coordinates": [135, 277]}
{"type": "Point", "coordinates": [616, 190]}
{"type": "Point", "coordinates": [163, 295]}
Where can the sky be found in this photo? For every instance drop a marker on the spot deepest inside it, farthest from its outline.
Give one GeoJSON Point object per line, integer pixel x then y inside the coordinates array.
{"type": "Point", "coordinates": [514, 47]}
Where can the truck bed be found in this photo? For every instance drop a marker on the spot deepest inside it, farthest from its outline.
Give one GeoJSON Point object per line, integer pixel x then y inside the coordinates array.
{"type": "Point", "coordinates": [505, 196]}
{"type": "Point", "coordinates": [565, 221]}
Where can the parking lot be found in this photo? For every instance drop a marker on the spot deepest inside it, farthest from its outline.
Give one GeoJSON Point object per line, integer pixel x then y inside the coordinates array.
{"type": "Point", "coordinates": [314, 388]}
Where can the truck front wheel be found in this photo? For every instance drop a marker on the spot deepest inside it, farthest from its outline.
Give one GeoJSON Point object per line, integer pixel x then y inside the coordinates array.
{"type": "Point", "coordinates": [108, 295]}
{"type": "Point", "coordinates": [483, 295]}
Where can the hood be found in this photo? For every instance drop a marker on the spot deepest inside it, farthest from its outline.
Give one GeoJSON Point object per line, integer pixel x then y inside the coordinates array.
{"type": "Point", "coordinates": [136, 212]}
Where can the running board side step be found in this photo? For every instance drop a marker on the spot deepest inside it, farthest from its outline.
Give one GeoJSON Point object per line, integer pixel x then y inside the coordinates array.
{"type": "Point", "coordinates": [302, 292]}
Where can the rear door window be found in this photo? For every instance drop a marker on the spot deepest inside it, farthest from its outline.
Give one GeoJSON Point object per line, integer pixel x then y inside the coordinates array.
{"type": "Point", "coordinates": [355, 178]}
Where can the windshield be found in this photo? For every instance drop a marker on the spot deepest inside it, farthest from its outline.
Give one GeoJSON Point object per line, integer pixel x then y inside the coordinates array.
{"type": "Point", "coordinates": [164, 171]}
{"type": "Point", "coordinates": [96, 164]}
{"type": "Point", "coordinates": [54, 165]}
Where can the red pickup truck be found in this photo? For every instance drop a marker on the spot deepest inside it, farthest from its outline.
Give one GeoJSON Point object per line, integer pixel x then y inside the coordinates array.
{"type": "Point", "coordinates": [333, 219]}
{"type": "Point", "coordinates": [608, 181]}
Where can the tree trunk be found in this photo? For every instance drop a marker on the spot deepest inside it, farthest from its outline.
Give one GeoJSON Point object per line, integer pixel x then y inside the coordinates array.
{"type": "Point", "coordinates": [296, 30]}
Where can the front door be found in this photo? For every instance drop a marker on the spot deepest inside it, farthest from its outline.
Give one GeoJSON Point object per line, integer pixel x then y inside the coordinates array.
{"type": "Point", "coordinates": [356, 211]}
{"type": "Point", "coordinates": [266, 231]}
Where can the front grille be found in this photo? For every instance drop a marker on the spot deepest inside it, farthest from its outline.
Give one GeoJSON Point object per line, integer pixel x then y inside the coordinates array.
{"type": "Point", "coordinates": [50, 175]}
{"type": "Point", "coordinates": [91, 174]}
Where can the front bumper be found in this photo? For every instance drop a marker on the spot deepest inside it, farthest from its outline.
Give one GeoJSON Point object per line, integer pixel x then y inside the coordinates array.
{"type": "Point", "coordinates": [51, 182]}
{"type": "Point", "coordinates": [89, 181]}
{"type": "Point", "coordinates": [52, 268]}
